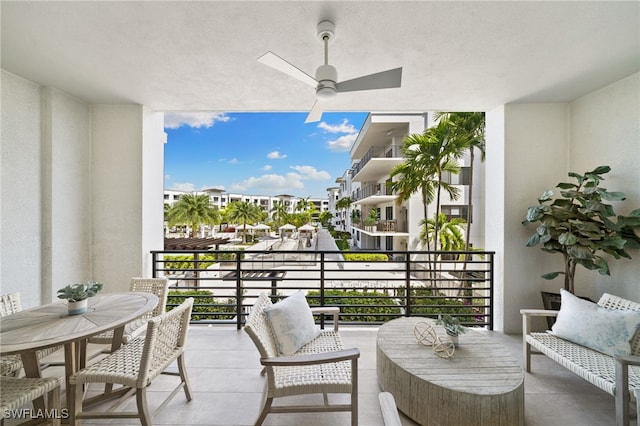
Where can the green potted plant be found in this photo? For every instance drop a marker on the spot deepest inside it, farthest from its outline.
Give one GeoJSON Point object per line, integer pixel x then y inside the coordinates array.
{"type": "Point", "coordinates": [77, 295]}
{"type": "Point", "coordinates": [452, 327]}
{"type": "Point", "coordinates": [581, 226]}
{"type": "Point", "coordinates": [370, 220]}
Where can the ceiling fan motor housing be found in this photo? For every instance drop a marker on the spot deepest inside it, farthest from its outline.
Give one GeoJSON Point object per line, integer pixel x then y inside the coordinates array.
{"type": "Point", "coordinates": [326, 76]}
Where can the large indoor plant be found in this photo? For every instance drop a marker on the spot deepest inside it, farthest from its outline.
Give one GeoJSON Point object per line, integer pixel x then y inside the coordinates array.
{"type": "Point", "coordinates": [582, 227]}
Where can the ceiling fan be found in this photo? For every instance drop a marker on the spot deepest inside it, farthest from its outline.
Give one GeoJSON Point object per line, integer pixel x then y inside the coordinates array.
{"type": "Point", "coordinates": [325, 82]}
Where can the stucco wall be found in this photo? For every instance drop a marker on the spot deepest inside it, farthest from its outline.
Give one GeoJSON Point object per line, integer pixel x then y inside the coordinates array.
{"type": "Point", "coordinates": [20, 186]}
{"type": "Point", "coordinates": [45, 191]}
{"type": "Point", "coordinates": [605, 130]}
{"type": "Point", "coordinates": [66, 144]}
{"type": "Point", "coordinates": [541, 143]}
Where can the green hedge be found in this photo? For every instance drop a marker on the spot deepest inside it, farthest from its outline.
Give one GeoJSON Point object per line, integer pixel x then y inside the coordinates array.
{"type": "Point", "coordinates": [342, 245]}
{"type": "Point", "coordinates": [205, 306]}
{"type": "Point", "coordinates": [358, 303]}
{"type": "Point", "coordinates": [365, 257]}
{"type": "Point", "coordinates": [185, 261]}
{"type": "Point", "coordinates": [430, 303]}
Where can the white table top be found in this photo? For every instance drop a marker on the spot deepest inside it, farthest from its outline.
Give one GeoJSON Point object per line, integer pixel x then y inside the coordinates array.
{"type": "Point", "coordinates": [51, 325]}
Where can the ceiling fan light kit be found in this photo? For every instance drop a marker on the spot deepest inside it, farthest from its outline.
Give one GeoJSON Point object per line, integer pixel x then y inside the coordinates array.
{"type": "Point", "coordinates": [325, 81]}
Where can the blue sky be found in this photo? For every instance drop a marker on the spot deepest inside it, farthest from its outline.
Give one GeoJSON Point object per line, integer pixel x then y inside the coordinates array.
{"type": "Point", "coordinates": [258, 153]}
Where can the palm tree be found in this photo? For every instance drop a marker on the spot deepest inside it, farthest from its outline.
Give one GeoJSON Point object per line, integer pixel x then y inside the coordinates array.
{"type": "Point", "coordinates": [344, 203]}
{"type": "Point", "coordinates": [304, 204]}
{"type": "Point", "coordinates": [243, 212]}
{"type": "Point", "coordinates": [470, 127]}
{"type": "Point", "coordinates": [325, 217]}
{"type": "Point", "coordinates": [451, 235]}
{"type": "Point", "coordinates": [193, 210]}
{"type": "Point", "coordinates": [280, 213]}
{"type": "Point", "coordinates": [428, 156]}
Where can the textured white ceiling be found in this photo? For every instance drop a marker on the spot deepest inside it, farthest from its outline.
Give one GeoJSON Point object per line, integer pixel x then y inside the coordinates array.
{"type": "Point", "coordinates": [188, 55]}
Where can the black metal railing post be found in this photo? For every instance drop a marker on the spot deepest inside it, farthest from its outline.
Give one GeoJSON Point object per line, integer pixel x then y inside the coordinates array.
{"type": "Point", "coordinates": [491, 293]}
{"type": "Point", "coordinates": [238, 292]}
{"type": "Point", "coordinates": [322, 287]}
{"type": "Point", "coordinates": [407, 285]}
{"type": "Point", "coordinates": [154, 263]}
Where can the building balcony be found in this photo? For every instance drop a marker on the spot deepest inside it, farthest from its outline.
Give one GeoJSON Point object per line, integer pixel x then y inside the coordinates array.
{"type": "Point", "coordinates": [382, 227]}
{"type": "Point", "coordinates": [376, 163]}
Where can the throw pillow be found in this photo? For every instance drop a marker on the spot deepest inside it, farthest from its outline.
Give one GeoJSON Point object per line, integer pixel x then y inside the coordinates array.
{"type": "Point", "coordinates": [605, 330]}
{"type": "Point", "coordinates": [292, 323]}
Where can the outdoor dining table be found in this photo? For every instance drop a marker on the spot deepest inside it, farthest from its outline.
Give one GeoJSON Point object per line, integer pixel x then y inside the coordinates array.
{"type": "Point", "coordinates": [28, 331]}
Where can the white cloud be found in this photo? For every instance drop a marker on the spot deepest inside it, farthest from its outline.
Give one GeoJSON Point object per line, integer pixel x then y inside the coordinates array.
{"type": "Point", "coordinates": [174, 120]}
{"type": "Point", "coordinates": [234, 160]}
{"type": "Point", "coordinates": [187, 187]}
{"type": "Point", "coordinates": [344, 127]}
{"type": "Point", "coordinates": [343, 143]}
{"type": "Point", "coordinates": [311, 173]}
{"type": "Point", "coordinates": [266, 167]}
{"type": "Point", "coordinates": [275, 155]}
{"type": "Point", "coordinates": [270, 183]}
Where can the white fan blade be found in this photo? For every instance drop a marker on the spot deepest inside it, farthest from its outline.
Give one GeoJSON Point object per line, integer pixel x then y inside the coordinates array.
{"type": "Point", "coordinates": [382, 80]}
{"type": "Point", "coordinates": [276, 62]}
{"type": "Point", "coordinates": [316, 112]}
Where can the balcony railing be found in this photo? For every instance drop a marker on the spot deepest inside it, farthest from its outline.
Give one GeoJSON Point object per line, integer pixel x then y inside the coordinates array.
{"type": "Point", "coordinates": [388, 151]}
{"type": "Point", "coordinates": [405, 283]}
{"type": "Point", "coordinates": [371, 190]}
{"type": "Point", "coordinates": [380, 226]}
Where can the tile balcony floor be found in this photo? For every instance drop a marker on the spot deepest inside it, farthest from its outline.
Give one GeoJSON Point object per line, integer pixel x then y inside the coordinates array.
{"type": "Point", "coordinates": [224, 369]}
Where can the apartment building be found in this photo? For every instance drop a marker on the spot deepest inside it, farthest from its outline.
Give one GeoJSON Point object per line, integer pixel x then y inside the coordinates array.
{"type": "Point", "coordinates": [382, 223]}
{"type": "Point", "coordinates": [221, 199]}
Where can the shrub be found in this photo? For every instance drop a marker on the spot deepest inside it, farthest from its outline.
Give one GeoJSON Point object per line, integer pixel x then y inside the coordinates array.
{"type": "Point", "coordinates": [366, 257]}
{"type": "Point", "coordinates": [185, 261]}
{"type": "Point", "coordinates": [205, 306]}
{"type": "Point", "coordinates": [429, 303]}
{"type": "Point", "coordinates": [365, 305]}
{"type": "Point", "coordinates": [343, 245]}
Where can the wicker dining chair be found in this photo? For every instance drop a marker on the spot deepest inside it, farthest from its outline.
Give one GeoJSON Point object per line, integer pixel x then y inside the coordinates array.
{"type": "Point", "coordinates": [17, 392]}
{"type": "Point", "coordinates": [10, 365]}
{"type": "Point", "coordinates": [322, 366]}
{"type": "Point", "coordinates": [136, 364]}
{"type": "Point", "coordinates": [136, 328]}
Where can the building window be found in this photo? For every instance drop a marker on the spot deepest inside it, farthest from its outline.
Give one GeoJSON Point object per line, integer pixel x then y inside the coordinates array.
{"type": "Point", "coordinates": [452, 211]}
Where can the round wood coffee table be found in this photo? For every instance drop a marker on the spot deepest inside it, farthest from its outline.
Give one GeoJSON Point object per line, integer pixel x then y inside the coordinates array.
{"type": "Point", "coordinates": [481, 384]}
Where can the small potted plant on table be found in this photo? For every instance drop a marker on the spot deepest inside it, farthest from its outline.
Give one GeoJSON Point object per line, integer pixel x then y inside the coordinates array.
{"type": "Point", "coordinates": [452, 326]}
{"type": "Point", "coordinates": [77, 295]}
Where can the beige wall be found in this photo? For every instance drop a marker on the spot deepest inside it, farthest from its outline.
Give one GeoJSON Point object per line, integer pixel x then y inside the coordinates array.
{"type": "Point", "coordinates": [81, 191]}
{"type": "Point", "coordinates": [541, 143]}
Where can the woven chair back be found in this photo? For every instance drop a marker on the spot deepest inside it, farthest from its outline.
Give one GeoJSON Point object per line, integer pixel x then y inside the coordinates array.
{"type": "Point", "coordinates": [157, 286]}
{"type": "Point", "coordinates": [10, 304]}
{"type": "Point", "coordinates": [164, 341]}
{"type": "Point", "coordinates": [258, 328]}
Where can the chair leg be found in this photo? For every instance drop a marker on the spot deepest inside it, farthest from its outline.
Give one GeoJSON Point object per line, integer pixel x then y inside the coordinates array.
{"type": "Point", "coordinates": [183, 376]}
{"type": "Point", "coordinates": [53, 402]}
{"type": "Point", "coordinates": [143, 411]}
{"type": "Point", "coordinates": [264, 412]}
{"type": "Point", "coordinates": [354, 392]}
{"type": "Point", "coordinates": [74, 401]}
